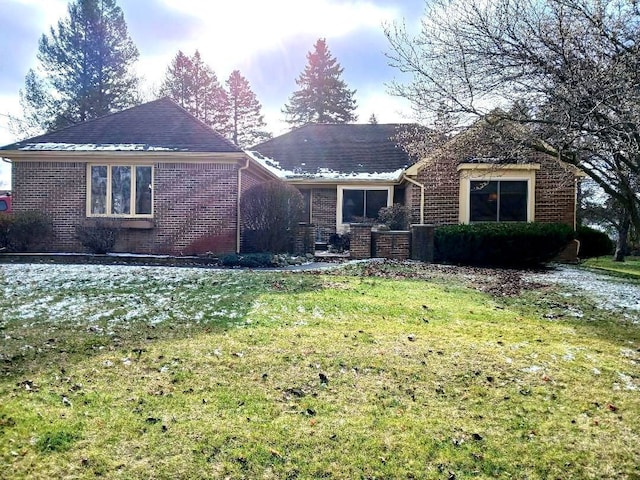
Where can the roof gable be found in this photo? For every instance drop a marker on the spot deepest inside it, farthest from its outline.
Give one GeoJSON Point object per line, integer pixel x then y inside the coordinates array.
{"type": "Point", "coordinates": [158, 125]}
{"type": "Point", "coordinates": [342, 148]}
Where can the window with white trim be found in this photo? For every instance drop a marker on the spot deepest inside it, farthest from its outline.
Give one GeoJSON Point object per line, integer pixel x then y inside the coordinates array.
{"type": "Point", "coordinates": [498, 201]}
{"type": "Point", "coordinates": [360, 204]}
{"type": "Point", "coordinates": [120, 190]}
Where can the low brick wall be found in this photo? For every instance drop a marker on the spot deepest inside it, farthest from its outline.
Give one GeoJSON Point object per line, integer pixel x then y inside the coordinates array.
{"type": "Point", "coordinates": [395, 245]}
{"type": "Point", "coordinates": [305, 239]}
{"type": "Point", "coordinates": [360, 241]}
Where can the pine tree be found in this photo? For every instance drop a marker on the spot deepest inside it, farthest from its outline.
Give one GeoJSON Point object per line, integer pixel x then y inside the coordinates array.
{"type": "Point", "coordinates": [323, 96]}
{"type": "Point", "coordinates": [195, 86]}
{"type": "Point", "coordinates": [244, 108]}
{"type": "Point", "coordinates": [373, 120]}
{"type": "Point", "coordinates": [86, 68]}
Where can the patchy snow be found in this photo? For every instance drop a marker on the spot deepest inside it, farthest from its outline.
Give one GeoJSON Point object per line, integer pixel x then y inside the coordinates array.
{"type": "Point", "coordinates": [611, 293]}
{"type": "Point", "coordinates": [101, 297]}
{"type": "Point", "coordinates": [324, 173]}
{"type": "Point", "coordinates": [94, 147]}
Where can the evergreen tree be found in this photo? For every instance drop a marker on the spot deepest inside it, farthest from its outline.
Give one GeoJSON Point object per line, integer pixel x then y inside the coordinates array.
{"type": "Point", "coordinates": [373, 120]}
{"type": "Point", "coordinates": [244, 108]}
{"type": "Point", "coordinates": [195, 86]}
{"type": "Point", "coordinates": [323, 96]}
{"type": "Point", "coordinates": [86, 68]}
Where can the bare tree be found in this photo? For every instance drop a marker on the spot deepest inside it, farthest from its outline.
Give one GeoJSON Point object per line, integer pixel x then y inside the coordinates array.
{"type": "Point", "coordinates": [567, 69]}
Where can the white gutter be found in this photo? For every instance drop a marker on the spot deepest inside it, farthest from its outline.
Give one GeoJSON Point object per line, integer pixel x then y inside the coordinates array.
{"type": "Point", "coordinates": [422, 187]}
{"type": "Point", "coordinates": [238, 222]}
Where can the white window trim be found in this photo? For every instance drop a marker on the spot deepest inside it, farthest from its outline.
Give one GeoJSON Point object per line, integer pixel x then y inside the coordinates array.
{"type": "Point", "coordinates": [487, 173]}
{"type": "Point", "coordinates": [109, 186]}
{"type": "Point", "coordinates": [345, 227]}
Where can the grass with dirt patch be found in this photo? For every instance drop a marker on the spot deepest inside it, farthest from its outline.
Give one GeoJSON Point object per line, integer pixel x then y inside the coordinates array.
{"type": "Point", "coordinates": [629, 268]}
{"type": "Point", "coordinates": [369, 372]}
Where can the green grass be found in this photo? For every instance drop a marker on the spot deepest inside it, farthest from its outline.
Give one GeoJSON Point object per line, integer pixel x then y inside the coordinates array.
{"type": "Point", "coordinates": [420, 378]}
{"type": "Point", "coordinates": [630, 268]}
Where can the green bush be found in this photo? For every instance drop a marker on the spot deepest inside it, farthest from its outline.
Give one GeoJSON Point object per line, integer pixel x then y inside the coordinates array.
{"type": "Point", "coordinates": [500, 244]}
{"type": "Point", "coordinates": [249, 260]}
{"type": "Point", "coordinates": [396, 217]}
{"type": "Point", "coordinates": [593, 243]}
{"type": "Point", "coordinates": [99, 237]}
{"type": "Point", "coordinates": [24, 231]}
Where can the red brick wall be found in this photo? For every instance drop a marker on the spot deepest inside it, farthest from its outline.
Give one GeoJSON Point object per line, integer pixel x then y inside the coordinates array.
{"type": "Point", "coordinates": [323, 214]}
{"type": "Point", "coordinates": [57, 189]}
{"type": "Point", "coordinates": [194, 206]}
{"type": "Point", "coordinates": [555, 192]}
{"type": "Point", "coordinates": [395, 245]}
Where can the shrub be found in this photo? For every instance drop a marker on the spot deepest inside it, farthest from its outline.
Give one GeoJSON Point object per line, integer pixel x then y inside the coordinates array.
{"type": "Point", "coordinates": [99, 237]}
{"type": "Point", "coordinates": [593, 243]}
{"type": "Point", "coordinates": [249, 260]}
{"type": "Point", "coordinates": [339, 242]}
{"type": "Point", "coordinates": [500, 244]}
{"type": "Point", "coordinates": [270, 214]}
{"type": "Point", "coordinates": [6, 220]}
{"type": "Point", "coordinates": [24, 231]}
{"type": "Point", "coordinates": [396, 217]}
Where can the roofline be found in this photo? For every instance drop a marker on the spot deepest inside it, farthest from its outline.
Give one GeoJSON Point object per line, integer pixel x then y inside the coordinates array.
{"type": "Point", "coordinates": [342, 181]}
{"type": "Point", "coordinates": [74, 156]}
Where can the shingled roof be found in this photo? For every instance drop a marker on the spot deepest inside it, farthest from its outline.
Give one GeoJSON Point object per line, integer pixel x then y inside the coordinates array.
{"type": "Point", "coordinates": [343, 148]}
{"type": "Point", "coordinates": [160, 125]}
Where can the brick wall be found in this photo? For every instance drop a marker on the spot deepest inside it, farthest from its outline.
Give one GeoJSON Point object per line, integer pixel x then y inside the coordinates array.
{"type": "Point", "coordinates": [57, 189]}
{"type": "Point", "coordinates": [394, 245]}
{"type": "Point", "coordinates": [555, 191]}
{"type": "Point", "coordinates": [194, 206]}
{"type": "Point", "coordinates": [323, 214]}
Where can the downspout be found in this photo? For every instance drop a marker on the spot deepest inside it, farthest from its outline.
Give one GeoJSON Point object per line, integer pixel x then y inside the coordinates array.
{"type": "Point", "coordinates": [422, 187]}
{"type": "Point", "coordinates": [238, 222]}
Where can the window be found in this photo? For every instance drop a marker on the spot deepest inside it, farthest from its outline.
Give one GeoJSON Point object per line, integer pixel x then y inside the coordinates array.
{"type": "Point", "coordinates": [498, 201]}
{"type": "Point", "coordinates": [120, 190]}
{"type": "Point", "coordinates": [363, 204]}
{"type": "Point", "coordinates": [3, 206]}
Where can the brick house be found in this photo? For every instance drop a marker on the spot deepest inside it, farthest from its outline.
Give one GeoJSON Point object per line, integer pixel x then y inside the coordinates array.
{"type": "Point", "coordinates": [170, 181]}
{"type": "Point", "coordinates": [348, 172]}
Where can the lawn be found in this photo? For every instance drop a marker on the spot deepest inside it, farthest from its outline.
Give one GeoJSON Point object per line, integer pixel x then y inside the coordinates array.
{"type": "Point", "coordinates": [365, 372]}
{"type": "Point", "coordinates": [629, 268]}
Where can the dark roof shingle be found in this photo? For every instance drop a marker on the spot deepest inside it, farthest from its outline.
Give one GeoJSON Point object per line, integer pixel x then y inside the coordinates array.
{"type": "Point", "coordinates": [345, 148]}
{"type": "Point", "coordinates": [160, 124]}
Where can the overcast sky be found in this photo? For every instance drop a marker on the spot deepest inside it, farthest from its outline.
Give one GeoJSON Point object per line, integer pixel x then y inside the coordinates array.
{"type": "Point", "coordinates": [266, 40]}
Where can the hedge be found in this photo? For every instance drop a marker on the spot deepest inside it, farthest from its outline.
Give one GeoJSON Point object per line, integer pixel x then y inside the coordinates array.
{"type": "Point", "coordinates": [593, 243]}
{"type": "Point", "coordinates": [500, 244]}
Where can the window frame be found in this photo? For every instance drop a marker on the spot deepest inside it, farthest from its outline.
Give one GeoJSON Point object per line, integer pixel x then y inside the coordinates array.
{"type": "Point", "coordinates": [502, 173]}
{"type": "Point", "coordinates": [340, 225]}
{"type": "Point", "coordinates": [109, 190]}
{"type": "Point", "coordinates": [499, 198]}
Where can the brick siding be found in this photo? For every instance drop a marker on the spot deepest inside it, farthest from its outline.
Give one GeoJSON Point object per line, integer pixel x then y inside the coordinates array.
{"type": "Point", "coordinates": [394, 245]}
{"type": "Point", "coordinates": [194, 206]}
{"type": "Point", "coordinates": [323, 212]}
{"type": "Point", "coordinates": [555, 192]}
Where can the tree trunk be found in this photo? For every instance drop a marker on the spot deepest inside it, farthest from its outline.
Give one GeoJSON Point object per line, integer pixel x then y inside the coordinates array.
{"type": "Point", "coordinates": [623, 235]}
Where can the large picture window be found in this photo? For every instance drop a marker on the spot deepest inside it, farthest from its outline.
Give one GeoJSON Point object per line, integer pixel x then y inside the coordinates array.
{"type": "Point", "coordinates": [120, 190]}
{"type": "Point", "coordinates": [363, 204]}
{"type": "Point", "coordinates": [498, 201]}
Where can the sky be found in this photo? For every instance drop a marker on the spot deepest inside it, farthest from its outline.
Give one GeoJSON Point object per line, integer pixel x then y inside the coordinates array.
{"type": "Point", "coordinates": [266, 40]}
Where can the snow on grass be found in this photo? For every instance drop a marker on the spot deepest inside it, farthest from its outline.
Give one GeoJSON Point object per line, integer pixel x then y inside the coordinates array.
{"type": "Point", "coordinates": [114, 295]}
{"type": "Point", "coordinates": [610, 293]}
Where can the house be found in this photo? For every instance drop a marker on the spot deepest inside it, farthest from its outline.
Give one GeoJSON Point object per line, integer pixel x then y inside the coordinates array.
{"type": "Point", "coordinates": [348, 172]}
{"type": "Point", "coordinates": [170, 182]}
{"type": "Point", "coordinates": [173, 185]}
